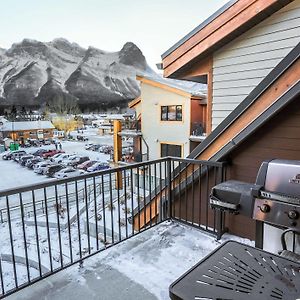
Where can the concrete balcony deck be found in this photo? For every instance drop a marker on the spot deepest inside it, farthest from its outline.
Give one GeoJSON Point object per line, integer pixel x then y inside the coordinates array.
{"type": "Point", "coordinates": [142, 267]}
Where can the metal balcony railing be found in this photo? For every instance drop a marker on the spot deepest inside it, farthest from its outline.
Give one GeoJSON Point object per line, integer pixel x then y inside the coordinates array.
{"type": "Point", "coordinates": [49, 226]}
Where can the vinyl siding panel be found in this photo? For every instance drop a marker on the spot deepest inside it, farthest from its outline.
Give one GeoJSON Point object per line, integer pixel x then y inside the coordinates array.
{"type": "Point", "coordinates": [241, 65]}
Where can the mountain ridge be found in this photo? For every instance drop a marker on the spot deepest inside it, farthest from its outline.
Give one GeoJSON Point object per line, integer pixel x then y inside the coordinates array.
{"type": "Point", "coordinates": [33, 73]}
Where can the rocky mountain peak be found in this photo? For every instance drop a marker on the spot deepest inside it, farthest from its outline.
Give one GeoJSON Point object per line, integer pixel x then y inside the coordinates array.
{"type": "Point", "coordinates": [27, 47]}
{"type": "Point", "coordinates": [130, 54]}
{"type": "Point", "coordinates": [65, 46]}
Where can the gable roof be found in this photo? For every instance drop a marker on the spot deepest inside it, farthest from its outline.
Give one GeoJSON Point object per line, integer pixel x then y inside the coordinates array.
{"type": "Point", "coordinates": [232, 20]}
{"type": "Point", "coordinates": [186, 88]}
{"type": "Point", "coordinates": [26, 125]}
{"type": "Point", "coordinates": [290, 63]}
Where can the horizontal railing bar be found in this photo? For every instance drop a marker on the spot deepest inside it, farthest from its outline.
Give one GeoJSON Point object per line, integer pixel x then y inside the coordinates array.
{"type": "Point", "coordinates": [27, 188]}
{"type": "Point", "coordinates": [50, 183]}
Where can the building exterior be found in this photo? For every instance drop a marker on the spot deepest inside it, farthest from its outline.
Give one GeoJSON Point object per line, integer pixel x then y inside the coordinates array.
{"type": "Point", "coordinates": [24, 130]}
{"type": "Point", "coordinates": [248, 54]}
{"type": "Point", "coordinates": [171, 115]}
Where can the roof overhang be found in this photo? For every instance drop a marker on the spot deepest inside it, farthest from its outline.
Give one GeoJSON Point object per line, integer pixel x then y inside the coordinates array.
{"type": "Point", "coordinates": [168, 88]}
{"type": "Point", "coordinates": [229, 22]}
{"type": "Point", "coordinates": [134, 102]}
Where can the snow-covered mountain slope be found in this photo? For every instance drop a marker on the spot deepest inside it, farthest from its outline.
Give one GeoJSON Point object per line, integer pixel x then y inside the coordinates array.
{"type": "Point", "coordinates": [34, 73]}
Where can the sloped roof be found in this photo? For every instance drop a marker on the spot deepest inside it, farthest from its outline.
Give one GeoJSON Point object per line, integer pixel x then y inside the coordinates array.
{"type": "Point", "coordinates": [291, 91]}
{"type": "Point", "coordinates": [26, 125]}
{"type": "Point", "coordinates": [231, 21]}
{"type": "Point", "coordinates": [192, 88]}
{"type": "Point", "coordinates": [134, 102]}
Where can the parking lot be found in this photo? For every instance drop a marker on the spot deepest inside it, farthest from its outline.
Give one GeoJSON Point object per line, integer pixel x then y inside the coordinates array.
{"type": "Point", "coordinates": [15, 175]}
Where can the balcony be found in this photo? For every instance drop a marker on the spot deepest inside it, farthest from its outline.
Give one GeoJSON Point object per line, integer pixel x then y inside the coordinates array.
{"type": "Point", "coordinates": [198, 133]}
{"type": "Point", "coordinates": [74, 228]}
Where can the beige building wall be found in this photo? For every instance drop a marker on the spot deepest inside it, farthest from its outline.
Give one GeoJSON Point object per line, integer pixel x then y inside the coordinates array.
{"type": "Point", "coordinates": [156, 131]}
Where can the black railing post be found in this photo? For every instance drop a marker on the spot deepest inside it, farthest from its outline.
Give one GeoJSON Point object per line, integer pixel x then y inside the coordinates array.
{"type": "Point", "coordinates": [220, 215]}
{"type": "Point", "coordinates": [169, 187]}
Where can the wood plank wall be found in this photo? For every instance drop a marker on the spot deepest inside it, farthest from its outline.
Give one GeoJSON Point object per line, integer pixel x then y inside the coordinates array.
{"type": "Point", "coordinates": [279, 138]}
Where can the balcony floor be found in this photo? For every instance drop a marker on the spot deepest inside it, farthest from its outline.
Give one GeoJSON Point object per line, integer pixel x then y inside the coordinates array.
{"type": "Point", "coordinates": [142, 267]}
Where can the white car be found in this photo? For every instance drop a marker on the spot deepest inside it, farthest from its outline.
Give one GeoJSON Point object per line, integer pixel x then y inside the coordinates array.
{"type": "Point", "coordinates": [61, 158]}
{"type": "Point", "coordinates": [56, 156]}
{"type": "Point", "coordinates": [41, 167]}
{"type": "Point", "coordinates": [71, 159]}
{"type": "Point", "coordinates": [67, 173]}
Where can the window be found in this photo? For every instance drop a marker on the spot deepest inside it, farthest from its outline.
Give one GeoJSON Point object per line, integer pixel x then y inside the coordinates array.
{"type": "Point", "coordinates": [170, 150]}
{"type": "Point", "coordinates": [171, 113]}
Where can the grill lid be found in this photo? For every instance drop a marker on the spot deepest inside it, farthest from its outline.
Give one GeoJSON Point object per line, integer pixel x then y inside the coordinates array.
{"type": "Point", "coordinates": [281, 177]}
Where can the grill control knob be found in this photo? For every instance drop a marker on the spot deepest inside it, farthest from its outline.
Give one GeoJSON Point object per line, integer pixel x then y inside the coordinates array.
{"type": "Point", "coordinates": [265, 208]}
{"type": "Point", "coordinates": [293, 214]}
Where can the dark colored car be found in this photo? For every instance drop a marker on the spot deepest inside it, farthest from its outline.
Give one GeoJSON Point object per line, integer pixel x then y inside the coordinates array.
{"type": "Point", "coordinates": [79, 161]}
{"type": "Point", "coordinates": [39, 152]}
{"type": "Point", "coordinates": [82, 138]}
{"type": "Point", "coordinates": [51, 153]}
{"type": "Point", "coordinates": [53, 169]}
{"type": "Point", "coordinates": [24, 159]}
{"type": "Point", "coordinates": [31, 162]}
{"type": "Point", "coordinates": [98, 167]}
{"type": "Point", "coordinates": [95, 147]}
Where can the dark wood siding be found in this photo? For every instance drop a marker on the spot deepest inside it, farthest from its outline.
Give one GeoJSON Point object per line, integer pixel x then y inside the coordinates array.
{"type": "Point", "coordinates": [279, 138]}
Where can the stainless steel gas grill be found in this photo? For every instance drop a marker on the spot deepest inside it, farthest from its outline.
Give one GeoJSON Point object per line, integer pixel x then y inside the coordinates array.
{"type": "Point", "coordinates": [237, 271]}
{"type": "Point", "coordinates": [274, 198]}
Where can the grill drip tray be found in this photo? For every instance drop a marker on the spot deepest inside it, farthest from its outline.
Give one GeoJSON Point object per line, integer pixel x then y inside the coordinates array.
{"type": "Point", "coordinates": [237, 271]}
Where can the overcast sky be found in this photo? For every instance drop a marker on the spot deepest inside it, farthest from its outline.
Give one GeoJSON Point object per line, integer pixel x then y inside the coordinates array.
{"type": "Point", "coordinates": [153, 25]}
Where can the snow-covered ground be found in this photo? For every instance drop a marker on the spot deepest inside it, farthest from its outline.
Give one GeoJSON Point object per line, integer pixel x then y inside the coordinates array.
{"type": "Point", "coordinates": [152, 260]}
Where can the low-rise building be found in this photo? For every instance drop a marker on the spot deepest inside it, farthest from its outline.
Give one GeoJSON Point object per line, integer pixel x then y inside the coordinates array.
{"type": "Point", "coordinates": [171, 116]}
{"type": "Point", "coordinates": [21, 131]}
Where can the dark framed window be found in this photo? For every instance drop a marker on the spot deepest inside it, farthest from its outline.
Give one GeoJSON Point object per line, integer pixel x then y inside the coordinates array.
{"type": "Point", "coordinates": [170, 150]}
{"type": "Point", "coordinates": [171, 113]}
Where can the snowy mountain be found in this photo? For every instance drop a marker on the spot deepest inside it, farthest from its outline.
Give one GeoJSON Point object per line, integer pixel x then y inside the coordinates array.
{"type": "Point", "coordinates": [33, 73]}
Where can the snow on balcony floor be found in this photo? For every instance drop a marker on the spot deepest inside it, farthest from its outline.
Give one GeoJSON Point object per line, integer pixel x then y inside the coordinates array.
{"type": "Point", "coordinates": [142, 267]}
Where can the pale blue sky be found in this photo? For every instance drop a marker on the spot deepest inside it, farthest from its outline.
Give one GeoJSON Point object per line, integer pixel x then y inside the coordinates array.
{"type": "Point", "coordinates": [154, 25]}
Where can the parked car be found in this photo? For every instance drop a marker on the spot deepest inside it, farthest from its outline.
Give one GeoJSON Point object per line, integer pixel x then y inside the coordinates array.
{"type": "Point", "coordinates": [95, 147]}
{"type": "Point", "coordinates": [78, 160]}
{"type": "Point", "coordinates": [70, 159]}
{"type": "Point", "coordinates": [98, 167]}
{"type": "Point", "coordinates": [51, 153]}
{"type": "Point", "coordinates": [24, 159]}
{"type": "Point", "coordinates": [31, 162]}
{"type": "Point", "coordinates": [68, 172]}
{"type": "Point", "coordinates": [61, 158]}
{"type": "Point", "coordinates": [106, 149]}
{"type": "Point", "coordinates": [82, 138]}
{"type": "Point", "coordinates": [39, 152]}
{"type": "Point", "coordinates": [52, 169]}
{"type": "Point", "coordinates": [34, 142]}
{"type": "Point", "coordinates": [88, 146]}
{"type": "Point", "coordinates": [9, 155]}
{"type": "Point", "coordinates": [40, 167]}
{"type": "Point", "coordinates": [16, 156]}
{"type": "Point", "coordinates": [86, 164]}
{"type": "Point", "coordinates": [47, 142]}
